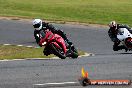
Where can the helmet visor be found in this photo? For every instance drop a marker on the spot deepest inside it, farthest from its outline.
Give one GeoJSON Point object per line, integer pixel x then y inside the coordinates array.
{"type": "Point", "coordinates": [36, 25]}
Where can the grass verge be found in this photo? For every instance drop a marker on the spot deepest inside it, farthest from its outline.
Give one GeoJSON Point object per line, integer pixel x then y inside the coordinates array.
{"type": "Point", "coordinates": [85, 11]}
{"type": "Point", "coordinates": [21, 52]}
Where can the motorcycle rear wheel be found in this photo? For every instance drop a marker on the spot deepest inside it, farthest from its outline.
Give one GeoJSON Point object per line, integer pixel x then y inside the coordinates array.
{"type": "Point", "coordinates": [74, 52]}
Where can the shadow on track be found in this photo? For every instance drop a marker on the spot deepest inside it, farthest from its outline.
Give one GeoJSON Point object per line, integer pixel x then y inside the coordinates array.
{"type": "Point", "coordinates": [126, 53]}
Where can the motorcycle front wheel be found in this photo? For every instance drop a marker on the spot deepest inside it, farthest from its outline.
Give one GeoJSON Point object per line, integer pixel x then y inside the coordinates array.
{"type": "Point", "coordinates": [58, 51]}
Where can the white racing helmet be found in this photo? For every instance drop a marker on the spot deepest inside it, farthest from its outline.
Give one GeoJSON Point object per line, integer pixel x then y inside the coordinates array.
{"type": "Point", "coordinates": [37, 24]}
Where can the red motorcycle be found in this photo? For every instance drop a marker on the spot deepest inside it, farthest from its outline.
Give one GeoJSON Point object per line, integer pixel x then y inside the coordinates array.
{"type": "Point", "coordinates": [56, 45]}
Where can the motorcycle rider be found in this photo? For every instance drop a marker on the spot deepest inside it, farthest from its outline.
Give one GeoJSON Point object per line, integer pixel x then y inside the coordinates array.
{"type": "Point", "coordinates": [39, 26]}
{"type": "Point", "coordinates": [113, 34]}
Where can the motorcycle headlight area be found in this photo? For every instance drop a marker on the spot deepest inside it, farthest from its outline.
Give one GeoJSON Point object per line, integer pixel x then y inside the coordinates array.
{"type": "Point", "coordinates": [44, 43]}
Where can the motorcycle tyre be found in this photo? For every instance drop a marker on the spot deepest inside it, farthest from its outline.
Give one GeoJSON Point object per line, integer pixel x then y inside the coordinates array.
{"type": "Point", "coordinates": [56, 52]}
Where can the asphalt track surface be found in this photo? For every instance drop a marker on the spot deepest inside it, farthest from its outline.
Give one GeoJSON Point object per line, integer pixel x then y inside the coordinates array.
{"type": "Point", "coordinates": [106, 64]}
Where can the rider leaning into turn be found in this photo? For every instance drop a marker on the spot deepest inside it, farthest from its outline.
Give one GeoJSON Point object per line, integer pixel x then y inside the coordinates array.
{"type": "Point", "coordinates": [113, 34]}
{"type": "Point", "coordinates": [39, 25]}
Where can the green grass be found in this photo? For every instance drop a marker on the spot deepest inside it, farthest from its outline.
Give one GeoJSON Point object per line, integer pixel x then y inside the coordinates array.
{"type": "Point", "coordinates": [19, 52]}
{"type": "Point", "coordinates": [86, 11]}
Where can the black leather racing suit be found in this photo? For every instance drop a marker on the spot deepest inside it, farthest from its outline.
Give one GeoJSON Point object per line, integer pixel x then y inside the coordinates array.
{"type": "Point", "coordinates": [113, 36]}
